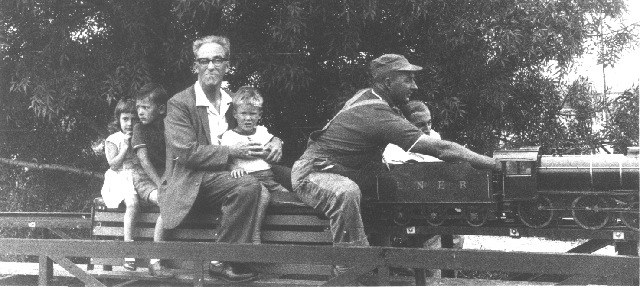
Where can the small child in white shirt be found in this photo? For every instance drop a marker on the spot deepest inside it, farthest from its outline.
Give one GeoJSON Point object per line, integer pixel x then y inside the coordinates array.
{"type": "Point", "coordinates": [247, 110]}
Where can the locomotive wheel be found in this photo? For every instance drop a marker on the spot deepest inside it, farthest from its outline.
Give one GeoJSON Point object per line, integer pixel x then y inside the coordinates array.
{"type": "Point", "coordinates": [586, 214]}
{"type": "Point", "coordinates": [435, 215]}
{"type": "Point", "coordinates": [531, 213]}
{"type": "Point", "coordinates": [400, 218]}
{"type": "Point", "coordinates": [631, 218]}
{"type": "Point", "coordinates": [475, 215]}
{"type": "Point", "coordinates": [612, 202]}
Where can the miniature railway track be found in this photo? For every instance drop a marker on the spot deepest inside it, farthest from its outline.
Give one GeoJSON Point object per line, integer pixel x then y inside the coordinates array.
{"type": "Point", "coordinates": [557, 232]}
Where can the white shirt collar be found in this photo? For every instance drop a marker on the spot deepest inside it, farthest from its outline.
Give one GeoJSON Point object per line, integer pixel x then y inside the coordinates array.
{"type": "Point", "coordinates": [202, 101]}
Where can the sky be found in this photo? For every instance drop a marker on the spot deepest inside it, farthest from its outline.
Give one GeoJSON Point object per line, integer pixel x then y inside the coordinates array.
{"type": "Point", "coordinates": [624, 74]}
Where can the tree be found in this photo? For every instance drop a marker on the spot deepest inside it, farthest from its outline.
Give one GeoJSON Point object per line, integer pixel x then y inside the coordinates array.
{"type": "Point", "coordinates": [66, 62]}
{"type": "Point", "coordinates": [622, 128]}
{"type": "Point", "coordinates": [578, 135]}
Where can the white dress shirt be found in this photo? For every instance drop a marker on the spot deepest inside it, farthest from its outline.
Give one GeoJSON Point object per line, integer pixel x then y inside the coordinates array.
{"type": "Point", "coordinates": [217, 121]}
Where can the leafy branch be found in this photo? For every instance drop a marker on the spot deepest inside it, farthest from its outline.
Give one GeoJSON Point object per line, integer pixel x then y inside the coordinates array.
{"type": "Point", "coordinates": [46, 166]}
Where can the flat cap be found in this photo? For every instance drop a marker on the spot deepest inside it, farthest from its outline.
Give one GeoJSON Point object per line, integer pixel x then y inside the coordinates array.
{"type": "Point", "coordinates": [391, 62]}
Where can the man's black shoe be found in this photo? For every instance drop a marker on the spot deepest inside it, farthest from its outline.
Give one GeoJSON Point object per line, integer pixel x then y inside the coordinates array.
{"type": "Point", "coordinates": [227, 272]}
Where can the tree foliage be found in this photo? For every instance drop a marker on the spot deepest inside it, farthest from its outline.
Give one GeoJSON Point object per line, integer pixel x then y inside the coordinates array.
{"type": "Point", "coordinates": [66, 62]}
{"type": "Point", "coordinates": [622, 128]}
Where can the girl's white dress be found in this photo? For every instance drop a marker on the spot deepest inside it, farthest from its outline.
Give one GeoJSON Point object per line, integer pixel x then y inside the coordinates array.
{"type": "Point", "coordinates": [118, 183]}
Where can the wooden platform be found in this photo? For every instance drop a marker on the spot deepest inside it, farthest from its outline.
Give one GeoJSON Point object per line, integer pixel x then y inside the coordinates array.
{"type": "Point", "coordinates": [579, 269]}
{"type": "Point", "coordinates": [582, 269]}
{"type": "Point", "coordinates": [184, 277]}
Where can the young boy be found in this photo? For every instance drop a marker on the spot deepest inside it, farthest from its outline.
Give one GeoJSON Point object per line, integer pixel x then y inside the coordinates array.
{"type": "Point", "coordinates": [419, 115]}
{"type": "Point", "coordinates": [247, 110]}
{"type": "Point", "coordinates": [149, 145]}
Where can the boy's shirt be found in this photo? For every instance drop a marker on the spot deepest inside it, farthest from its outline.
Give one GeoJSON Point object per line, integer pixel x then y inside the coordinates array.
{"type": "Point", "coordinates": [262, 136]}
{"type": "Point", "coordinates": [394, 154]}
{"type": "Point", "coordinates": [151, 136]}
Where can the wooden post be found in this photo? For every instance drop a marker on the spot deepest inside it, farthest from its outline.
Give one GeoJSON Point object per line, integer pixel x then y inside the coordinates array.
{"type": "Point", "coordinates": [447, 242]}
{"type": "Point", "coordinates": [418, 241]}
{"type": "Point", "coordinates": [383, 275]}
{"type": "Point", "coordinates": [629, 248]}
{"type": "Point", "coordinates": [198, 272]}
{"type": "Point", "coordinates": [45, 270]}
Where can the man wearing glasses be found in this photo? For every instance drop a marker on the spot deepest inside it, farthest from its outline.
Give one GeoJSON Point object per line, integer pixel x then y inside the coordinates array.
{"type": "Point", "coordinates": [195, 175]}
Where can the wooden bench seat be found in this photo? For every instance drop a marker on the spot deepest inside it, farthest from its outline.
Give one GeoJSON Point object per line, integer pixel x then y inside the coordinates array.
{"type": "Point", "coordinates": [288, 221]}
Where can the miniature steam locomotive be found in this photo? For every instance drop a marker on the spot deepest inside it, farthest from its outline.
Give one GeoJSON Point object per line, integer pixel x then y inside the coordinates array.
{"type": "Point", "coordinates": [593, 190]}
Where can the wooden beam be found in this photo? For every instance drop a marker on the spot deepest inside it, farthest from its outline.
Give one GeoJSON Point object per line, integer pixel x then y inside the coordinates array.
{"type": "Point", "coordinates": [582, 279]}
{"type": "Point", "coordinates": [627, 248]}
{"type": "Point", "coordinates": [60, 233]}
{"type": "Point", "coordinates": [126, 283]}
{"type": "Point", "coordinates": [198, 272]}
{"type": "Point", "coordinates": [267, 253]}
{"type": "Point", "coordinates": [564, 233]}
{"type": "Point", "coordinates": [45, 269]}
{"type": "Point", "coordinates": [45, 220]}
{"type": "Point", "coordinates": [588, 247]}
{"type": "Point", "coordinates": [77, 271]}
{"type": "Point", "coordinates": [591, 246]}
{"type": "Point", "coordinates": [446, 240]}
{"type": "Point", "coordinates": [383, 276]}
{"type": "Point", "coordinates": [7, 278]}
{"type": "Point", "coordinates": [547, 263]}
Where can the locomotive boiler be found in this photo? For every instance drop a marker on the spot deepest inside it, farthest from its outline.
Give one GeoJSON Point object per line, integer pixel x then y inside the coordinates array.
{"type": "Point", "coordinates": [593, 190]}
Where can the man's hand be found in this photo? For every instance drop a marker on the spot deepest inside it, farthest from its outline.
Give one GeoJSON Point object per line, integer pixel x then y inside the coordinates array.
{"type": "Point", "coordinates": [274, 147]}
{"type": "Point", "coordinates": [249, 150]}
{"type": "Point", "coordinates": [238, 172]}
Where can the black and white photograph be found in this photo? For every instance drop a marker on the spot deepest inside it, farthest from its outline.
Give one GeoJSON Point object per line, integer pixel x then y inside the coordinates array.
{"type": "Point", "coordinates": [319, 142]}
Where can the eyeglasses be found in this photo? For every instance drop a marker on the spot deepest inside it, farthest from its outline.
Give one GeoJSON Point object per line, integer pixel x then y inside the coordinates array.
{"type": "Point", "coordinates": [217, 61]}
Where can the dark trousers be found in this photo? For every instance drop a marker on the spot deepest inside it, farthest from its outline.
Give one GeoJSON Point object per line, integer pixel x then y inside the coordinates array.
{"type": "Point", "coordinates": [238, 200]}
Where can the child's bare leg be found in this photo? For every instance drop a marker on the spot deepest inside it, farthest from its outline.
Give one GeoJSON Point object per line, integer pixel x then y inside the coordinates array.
{"type": "Point", "coordinates": [132, 206]}
{"type": "Point", "coordinates": [261, 214]}
{"type": "Point", "coordinates": [158, 231]}
{"type": "Point", "coordinates": [158, 235]}
{"type": "Point", "coordinates": [155, 267]}
{"type": "Point", "coordinates": [130, 213]}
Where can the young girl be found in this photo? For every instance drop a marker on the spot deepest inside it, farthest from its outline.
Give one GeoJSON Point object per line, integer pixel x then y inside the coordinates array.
{"type": "Point", "coordinates": [118, 180]}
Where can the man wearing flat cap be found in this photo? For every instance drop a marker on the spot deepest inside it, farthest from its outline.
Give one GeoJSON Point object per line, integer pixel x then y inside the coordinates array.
{"type": "Point", "coordinates": [342, 159]}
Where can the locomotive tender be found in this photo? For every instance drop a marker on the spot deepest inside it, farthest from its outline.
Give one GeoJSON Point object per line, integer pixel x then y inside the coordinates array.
{"type": "Point", "coordinates": [593, 190]}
